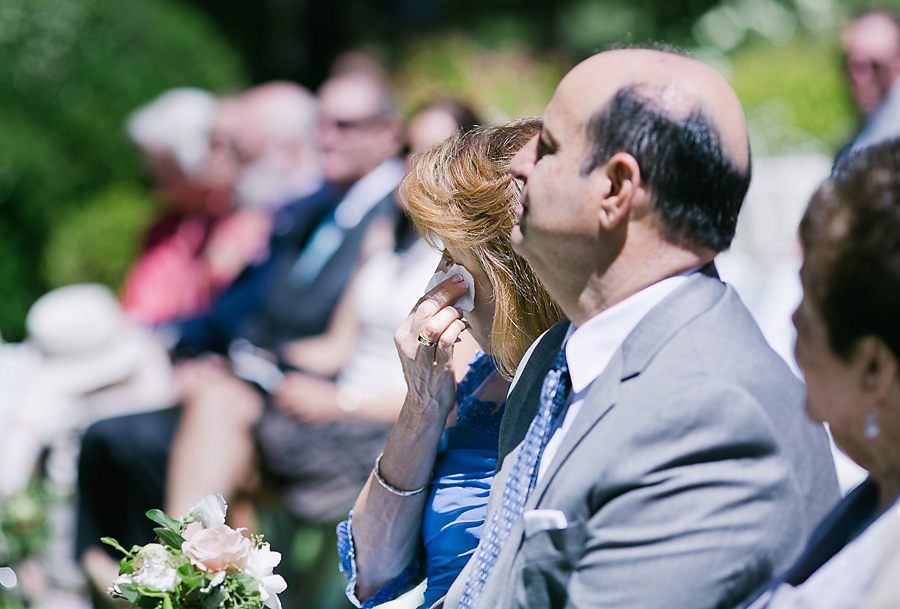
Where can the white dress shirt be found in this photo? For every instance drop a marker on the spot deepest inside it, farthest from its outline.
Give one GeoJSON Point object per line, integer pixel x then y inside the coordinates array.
{"type": "Point", "coordinates": [590, 348]}
{"type": "Point", "coordinates": [367, 192]}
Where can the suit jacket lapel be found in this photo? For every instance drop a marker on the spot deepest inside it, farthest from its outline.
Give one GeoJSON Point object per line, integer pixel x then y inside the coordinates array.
{"type": "Point", "coordinates": [515, 421]}
{"type": "Point", "coordinates": [697, 295]}
{"type": "Point", "coordinates": [601, 396]}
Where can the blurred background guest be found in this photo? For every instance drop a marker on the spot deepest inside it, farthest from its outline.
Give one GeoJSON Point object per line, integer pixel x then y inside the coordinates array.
{"type": "Point", "coordinates": [848, 346]}
{"type": "Point", "coordinates": [264, 147]}
{"type": "Point", "coordinates": [82, 361]}
{"type": "Point", "coordinates": [221, 168]}
{"type": "Point", "coordinates": [276, 146]}
{"type": "Point", "coordinates": [318, 244]}
{"type": "Point", "coordinates": [435, 122]}
{"type": "Point", "coordinates": [871, 44]}
{"type": "Point", "coordinates": [173, 134]}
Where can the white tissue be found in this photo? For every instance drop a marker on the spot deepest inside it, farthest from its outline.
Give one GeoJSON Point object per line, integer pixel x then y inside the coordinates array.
{"type": "Point", "coordinates": [467, 301]}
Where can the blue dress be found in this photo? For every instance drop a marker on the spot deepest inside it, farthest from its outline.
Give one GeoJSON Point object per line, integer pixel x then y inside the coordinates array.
{"type": "Point", "coordinates": [457, 501]}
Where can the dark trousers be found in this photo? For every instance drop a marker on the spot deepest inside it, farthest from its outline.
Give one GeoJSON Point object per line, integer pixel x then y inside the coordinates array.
{"type": "Point", "coordinates": [121, 475]}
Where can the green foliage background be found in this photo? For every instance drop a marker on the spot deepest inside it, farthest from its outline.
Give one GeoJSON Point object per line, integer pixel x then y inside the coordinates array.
{"type": "Point", "coordinates": [73, 202]}
{"type": "Point", "coordinates": [72, 205]}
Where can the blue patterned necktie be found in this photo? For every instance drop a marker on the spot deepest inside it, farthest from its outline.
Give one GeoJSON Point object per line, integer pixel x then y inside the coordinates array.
{"type": "Point", "coordinates": [554, 393]}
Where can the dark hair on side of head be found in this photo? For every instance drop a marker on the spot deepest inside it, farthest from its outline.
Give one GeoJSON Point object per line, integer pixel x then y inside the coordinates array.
{"type": "Point", "coordinates": [850, 235]}
{"type": "Point", "coordinates": [697, 189]}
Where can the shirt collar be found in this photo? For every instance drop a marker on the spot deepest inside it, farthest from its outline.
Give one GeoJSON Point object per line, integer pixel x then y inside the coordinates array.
{"type": "Point", "coordinates": [590, 348]}
{"type": "Point", "coordinates": [367, 192]}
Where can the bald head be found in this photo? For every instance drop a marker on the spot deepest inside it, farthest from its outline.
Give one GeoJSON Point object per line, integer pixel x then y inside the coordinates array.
{"type": "Point", "coordinates": [677, 86]}
{"type": "Point", "coordinates": [684, 126]}
{"type": "Point", "coordinates": [280, 111]}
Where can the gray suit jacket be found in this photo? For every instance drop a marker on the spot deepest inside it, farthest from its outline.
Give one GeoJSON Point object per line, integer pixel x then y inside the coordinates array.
{"type": "Point", "coordinates": [689, 477]}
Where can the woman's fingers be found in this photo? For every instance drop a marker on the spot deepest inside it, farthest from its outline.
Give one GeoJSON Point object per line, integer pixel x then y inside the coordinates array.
{"type": "Point", "coordinates": [434, 327]}
{"type": "Point", "coordinates": [443, 349]}
{"type": "Point", "coordinates": [442, 295]}
{"type": "Point", "coordinates": [438, 300]}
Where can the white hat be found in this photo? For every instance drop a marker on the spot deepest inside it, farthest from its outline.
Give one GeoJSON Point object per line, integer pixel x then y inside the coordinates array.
{"type": "Point", "coordinates": [82, 361]}
{"type": "Point", "coordinates": [83, 339]}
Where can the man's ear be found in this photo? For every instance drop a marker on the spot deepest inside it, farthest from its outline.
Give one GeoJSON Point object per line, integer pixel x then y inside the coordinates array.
{"type": "Point", "coordinates": [619, 180]}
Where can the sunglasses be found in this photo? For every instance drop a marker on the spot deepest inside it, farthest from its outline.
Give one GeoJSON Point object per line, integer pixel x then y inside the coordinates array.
{"type": "Point", "coordinates": [864, 66]}
{"type": "Point", "coordinates": [353, 124]}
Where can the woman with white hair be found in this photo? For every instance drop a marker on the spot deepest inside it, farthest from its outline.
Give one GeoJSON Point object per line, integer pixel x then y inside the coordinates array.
{"type": "Point", "coordinates": [172, 278]}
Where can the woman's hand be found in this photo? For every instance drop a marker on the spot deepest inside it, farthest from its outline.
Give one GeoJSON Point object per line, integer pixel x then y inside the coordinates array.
{"type": "Point", "coordinates": [429, 370]}
{"type": "Point", "coordinates": [197, 374]}
{"type": "Point", "coordinates": [310, 399]}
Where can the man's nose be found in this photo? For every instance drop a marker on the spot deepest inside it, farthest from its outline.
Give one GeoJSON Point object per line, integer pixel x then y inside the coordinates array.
{"type": "Point", "coordinates": [523, 161]}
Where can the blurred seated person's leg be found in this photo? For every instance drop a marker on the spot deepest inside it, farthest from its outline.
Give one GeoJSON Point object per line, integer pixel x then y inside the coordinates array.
{"type": "Point", "coordinates": [213, 450]}
{"type": "Point", "coordinates": [121, 475]}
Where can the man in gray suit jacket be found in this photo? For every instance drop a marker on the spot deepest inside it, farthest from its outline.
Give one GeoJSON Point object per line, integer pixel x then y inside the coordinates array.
{"type": "Point", "coordinates": [682, 472]}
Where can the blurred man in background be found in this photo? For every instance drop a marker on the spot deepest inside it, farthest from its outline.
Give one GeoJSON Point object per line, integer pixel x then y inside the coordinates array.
{"type": "Point", "coordinates": [276, 145]}
{"type": "Point", "coordinates": [264, 140]}
{"type": "Point", "coordinates": [871, 43]}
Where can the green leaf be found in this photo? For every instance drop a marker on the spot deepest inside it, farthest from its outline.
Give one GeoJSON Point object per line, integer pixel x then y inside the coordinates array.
{"type": "Point", "coordinates": [169, 537]}
{"type": "Point", "coordinates": [130, 593]}
{"type": "Point", "coordinates": [112, 542]}
{"type": "Point", "coordinates": [191, 578]}
{"type": "Point", "coordinates": [160, 517]}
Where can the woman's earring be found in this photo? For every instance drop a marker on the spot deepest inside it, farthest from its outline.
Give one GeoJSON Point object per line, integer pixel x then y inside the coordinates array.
{"type": "Point", "coordinates": [871, 430]}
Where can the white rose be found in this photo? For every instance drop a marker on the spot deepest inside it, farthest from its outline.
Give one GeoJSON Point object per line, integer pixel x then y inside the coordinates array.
{"type": "Point", "coordinates": [153, 569]}
{"type": "Point", "coordinates": [260, 563]}
{"type": "Point", "coordinates": [210, 511]}
{"type": "Point", "coordinates": [218, 548]}
{"type": "Point", "coordinates": [120, 581]}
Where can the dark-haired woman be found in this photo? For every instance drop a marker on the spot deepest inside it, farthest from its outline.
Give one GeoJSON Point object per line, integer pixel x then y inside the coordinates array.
{"type": "Point", "coordinates": [848, 346]}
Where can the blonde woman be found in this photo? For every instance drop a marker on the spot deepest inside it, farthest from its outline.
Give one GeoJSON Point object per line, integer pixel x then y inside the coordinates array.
{"type": "Point", "coordinates": [421, 512]}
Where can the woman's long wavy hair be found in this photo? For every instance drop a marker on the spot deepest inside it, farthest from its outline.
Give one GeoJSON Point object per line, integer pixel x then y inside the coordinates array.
{"type": "Point", "coordinates": [460, 193]}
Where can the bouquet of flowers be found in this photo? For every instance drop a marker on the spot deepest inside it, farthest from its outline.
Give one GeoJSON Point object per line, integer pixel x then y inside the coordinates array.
{"type": "Point", "coordinates": [217, 567]}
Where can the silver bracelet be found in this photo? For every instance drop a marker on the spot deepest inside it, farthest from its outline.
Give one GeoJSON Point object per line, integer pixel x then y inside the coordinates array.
{"type": "Point", "coordinates": [391, 489]}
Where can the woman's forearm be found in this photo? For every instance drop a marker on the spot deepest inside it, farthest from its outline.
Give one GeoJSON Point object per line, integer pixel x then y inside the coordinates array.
{"type": "Point", "coordinates": [387, 527]}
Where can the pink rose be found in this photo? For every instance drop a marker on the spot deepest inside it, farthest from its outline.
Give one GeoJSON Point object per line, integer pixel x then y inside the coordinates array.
{"type": "Point", "coordinates": [218, 548]}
